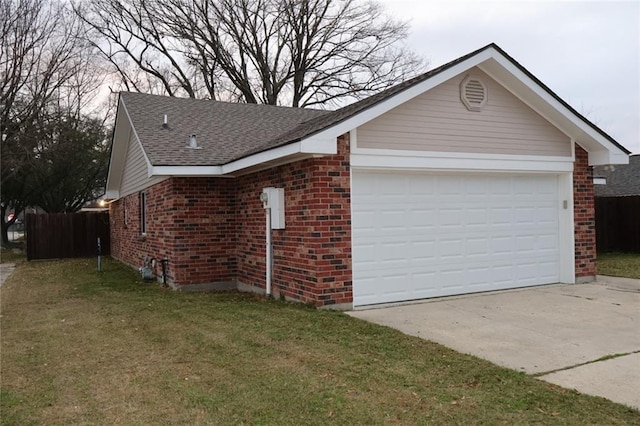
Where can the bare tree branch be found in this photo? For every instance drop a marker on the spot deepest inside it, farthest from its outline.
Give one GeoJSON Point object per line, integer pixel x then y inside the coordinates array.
{"type": "Point", "coordinates": [291, 52]}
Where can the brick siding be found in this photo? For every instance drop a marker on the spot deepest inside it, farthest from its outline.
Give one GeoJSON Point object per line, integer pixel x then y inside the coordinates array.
{"type": "Point", "coordinates": [127, 242]}
{"type": "Point", "coordinates": [212, 230]}
{"type": "Point", "coordinates": [190, 221]}
{"type": "Point", "coordinates": [312, 255]}
{"type": "Point", "coordinates": [584, 216]}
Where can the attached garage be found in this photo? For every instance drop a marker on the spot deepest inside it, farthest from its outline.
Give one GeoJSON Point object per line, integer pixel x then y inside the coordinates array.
{"type": "Point", "coordinates": [418, 235]}
{"type": "Point", "coordinates": [462, 188]}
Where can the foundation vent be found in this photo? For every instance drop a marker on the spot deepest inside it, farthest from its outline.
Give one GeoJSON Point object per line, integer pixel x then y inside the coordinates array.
{"type": "Point", "coordinates": [473, 93]}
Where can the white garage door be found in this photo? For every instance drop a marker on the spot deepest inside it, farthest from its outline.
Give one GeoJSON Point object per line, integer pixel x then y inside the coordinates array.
{"type": "Point", "coordinates": [418, 235]}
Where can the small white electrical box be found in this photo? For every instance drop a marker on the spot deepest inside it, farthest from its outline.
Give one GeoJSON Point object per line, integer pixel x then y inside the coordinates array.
{"type": "Point", "coordinates": [273, 198]}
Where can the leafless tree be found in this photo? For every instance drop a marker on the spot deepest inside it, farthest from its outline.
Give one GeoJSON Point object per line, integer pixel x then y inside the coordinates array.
{"type": "Point", "coordinates": [44, 68]}
{"type": "Point", "coordinates": [137, 45]}
{"type": "Point", "coordinates": [288, 52]}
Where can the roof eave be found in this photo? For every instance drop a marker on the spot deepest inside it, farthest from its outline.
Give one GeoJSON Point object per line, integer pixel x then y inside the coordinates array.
{"type": "Point", "coordinates": [294, 151]}
{"type": "Point", "coordinates": [117, 154]}
{"type": "Point", "coordinates": [122, 132]}
{"type": "Point", "coordinates": [602, 148]}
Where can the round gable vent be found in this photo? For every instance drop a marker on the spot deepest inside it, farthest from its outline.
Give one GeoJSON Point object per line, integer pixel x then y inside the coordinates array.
{"type": "Point", "coordinates": [473, 93]}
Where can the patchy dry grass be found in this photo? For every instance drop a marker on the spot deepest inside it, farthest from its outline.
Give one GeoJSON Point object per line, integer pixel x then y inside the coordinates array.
{"type": "Point", "coordinates": [12, 255]}
{"type": "Point", "coordinates": [619, 264]}
{"type": "Point", "coordinates": [81, 347]}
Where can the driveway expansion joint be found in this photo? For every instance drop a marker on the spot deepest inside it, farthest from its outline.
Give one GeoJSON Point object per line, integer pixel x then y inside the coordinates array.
{"type": "Point", "coordinates": [571, 367]}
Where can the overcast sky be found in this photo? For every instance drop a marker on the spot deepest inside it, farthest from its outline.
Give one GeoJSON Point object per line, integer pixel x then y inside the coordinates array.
{"type": "Point", "coordinates": [587, 52]}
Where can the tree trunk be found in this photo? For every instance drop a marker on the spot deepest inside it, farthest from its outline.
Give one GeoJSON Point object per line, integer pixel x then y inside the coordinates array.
{"type": "Point", "coordinates": [5, 235]}
{"type": "Point", "coordinates": [5, 228]}
{"type": "Point", "coordinates": [5, 225]}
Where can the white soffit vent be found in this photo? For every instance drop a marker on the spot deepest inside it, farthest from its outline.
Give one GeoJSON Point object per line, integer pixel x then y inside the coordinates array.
{"type": "Point", "coordinates": [473, 93]}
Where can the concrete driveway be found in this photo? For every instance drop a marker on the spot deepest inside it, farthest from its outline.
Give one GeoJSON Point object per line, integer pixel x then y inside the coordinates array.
{"type": "Point", "coordinates": [559, 333]}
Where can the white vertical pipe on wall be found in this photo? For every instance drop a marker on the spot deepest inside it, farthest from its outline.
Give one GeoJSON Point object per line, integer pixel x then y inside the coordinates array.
{"type": "Point", "coordinates": [268, 256]}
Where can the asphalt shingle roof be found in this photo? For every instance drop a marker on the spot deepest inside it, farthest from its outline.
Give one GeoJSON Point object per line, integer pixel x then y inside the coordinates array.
{"type": "Point", "coordinates": [224, 131]}
{"type": "Point", "coordinates": [622, 180]}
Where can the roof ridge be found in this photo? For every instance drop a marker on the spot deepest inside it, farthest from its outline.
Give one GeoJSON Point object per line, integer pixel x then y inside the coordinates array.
{"type": "Point", "coordinates": [235, 104]}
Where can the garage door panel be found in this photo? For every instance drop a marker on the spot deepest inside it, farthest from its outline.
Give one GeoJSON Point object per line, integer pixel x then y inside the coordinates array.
{"type": "Point", "coordinates": [475, 217]}
{"type": "Point", "coordinates": [367, 221]}
{"type": "Point", "coordinates": [423, 251]}
{"type": "Point", "coordinates": [479, 277]}
{"type": "Point", "coordinates": [526, 215]}
{"type": "Point", "coordinates": [421, 219]}
{"type": "Point", "coordinates": [419, 235]}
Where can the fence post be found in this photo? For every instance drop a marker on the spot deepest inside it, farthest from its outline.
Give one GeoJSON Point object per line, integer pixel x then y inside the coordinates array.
{"type": "Point", "coordinates": [99, 255]}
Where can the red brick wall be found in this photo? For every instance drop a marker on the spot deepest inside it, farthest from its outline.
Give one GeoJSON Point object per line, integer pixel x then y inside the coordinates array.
{"type": "Point", "coordinates": [190, 221]}
{"type": "Point", "coordinates": [312, 255]}
{"type": "Point", "coordinates": [127, 242]}
{"type": "Point", "coordinates": [203, 230]}
{"type": "Point", "coordinates": [584, 216]}
{"type": "Point", "coordinates": [213, 229]}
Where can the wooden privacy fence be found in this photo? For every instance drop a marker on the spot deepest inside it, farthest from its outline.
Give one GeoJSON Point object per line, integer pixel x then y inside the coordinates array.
{"type": "Point", "coordinates": [618, 223]}
{"type": "Point", "coordinates": [62, 235]}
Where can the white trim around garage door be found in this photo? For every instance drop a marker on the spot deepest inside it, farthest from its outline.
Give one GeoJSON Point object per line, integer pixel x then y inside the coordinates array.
{"type": "Point", "coordinates": [394, 159]}
{"type": "Point", "coordinates": [564, 211]}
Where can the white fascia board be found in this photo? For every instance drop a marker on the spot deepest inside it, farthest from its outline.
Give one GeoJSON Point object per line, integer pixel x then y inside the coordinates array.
{"type": "Point", "coordinates": [118, 152]}
{"type": "Point", "coordinates": [319, 145]}
{"type": "Point", "coordinates": [465, 162]}
{"type": "Point", "coordinates": [604, 157]}
{"type": "Point", "coordinates": [262, 157]}
{"type": "Point", "coordinates": [580, 127]}
{"type": "Point", "coordinates": [313, 145]}
{"type": "Point", "coordinates": [112, 194]}
{"type": "Point", "coordinates": [185, 171]}
{"type": "Point", "coordinates": [135, 134]}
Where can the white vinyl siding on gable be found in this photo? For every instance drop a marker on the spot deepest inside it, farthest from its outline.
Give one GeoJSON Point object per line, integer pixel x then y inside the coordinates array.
{"type": "Point", "coordinates": [438, 121]}
{"type": "Point", "coordinates": [135, 176]}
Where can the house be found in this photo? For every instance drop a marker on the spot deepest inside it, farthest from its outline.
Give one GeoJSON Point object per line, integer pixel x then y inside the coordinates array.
{"type": "Point", "coordinates": [472, 177]}
{"type": "Point", "coordinates": [618, 180]}
{"type": "Point", "coordinates": [617, 191]}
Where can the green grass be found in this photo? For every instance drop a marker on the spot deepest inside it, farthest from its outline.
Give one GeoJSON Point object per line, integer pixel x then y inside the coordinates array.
{"type": "Point", "coordinates": [82, 347]}
{"type": "Point", "coordinates": [12, 255]}
{"type": "Point", "coordinates": [619, 264]}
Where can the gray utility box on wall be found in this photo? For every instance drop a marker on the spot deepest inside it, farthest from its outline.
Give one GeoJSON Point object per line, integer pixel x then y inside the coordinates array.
{"type": "Point", "coordinates": [273, 198]}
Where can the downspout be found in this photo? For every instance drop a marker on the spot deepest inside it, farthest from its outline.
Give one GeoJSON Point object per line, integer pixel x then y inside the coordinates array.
{"type": "Point", "coordinates": [269, 253]}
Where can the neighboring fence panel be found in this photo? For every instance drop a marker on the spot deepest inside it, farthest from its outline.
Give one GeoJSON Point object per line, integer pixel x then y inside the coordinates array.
{"type": "Point", "coordinates": [62, 235]}
{"type": "Point", "coordinates": [618, 223]}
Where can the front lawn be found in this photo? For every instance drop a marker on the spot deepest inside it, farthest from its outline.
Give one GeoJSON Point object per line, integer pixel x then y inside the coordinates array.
{"type": "Point", "coordinates": [12, 255]}
{"type": "Point", "coordinates": [82, 347]}
{"type": "Point", "coordinates": [619, 264]}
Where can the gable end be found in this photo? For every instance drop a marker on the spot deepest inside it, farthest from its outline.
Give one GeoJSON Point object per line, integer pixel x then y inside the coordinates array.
{"type": "Point", "coordinates": [437, 121]}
